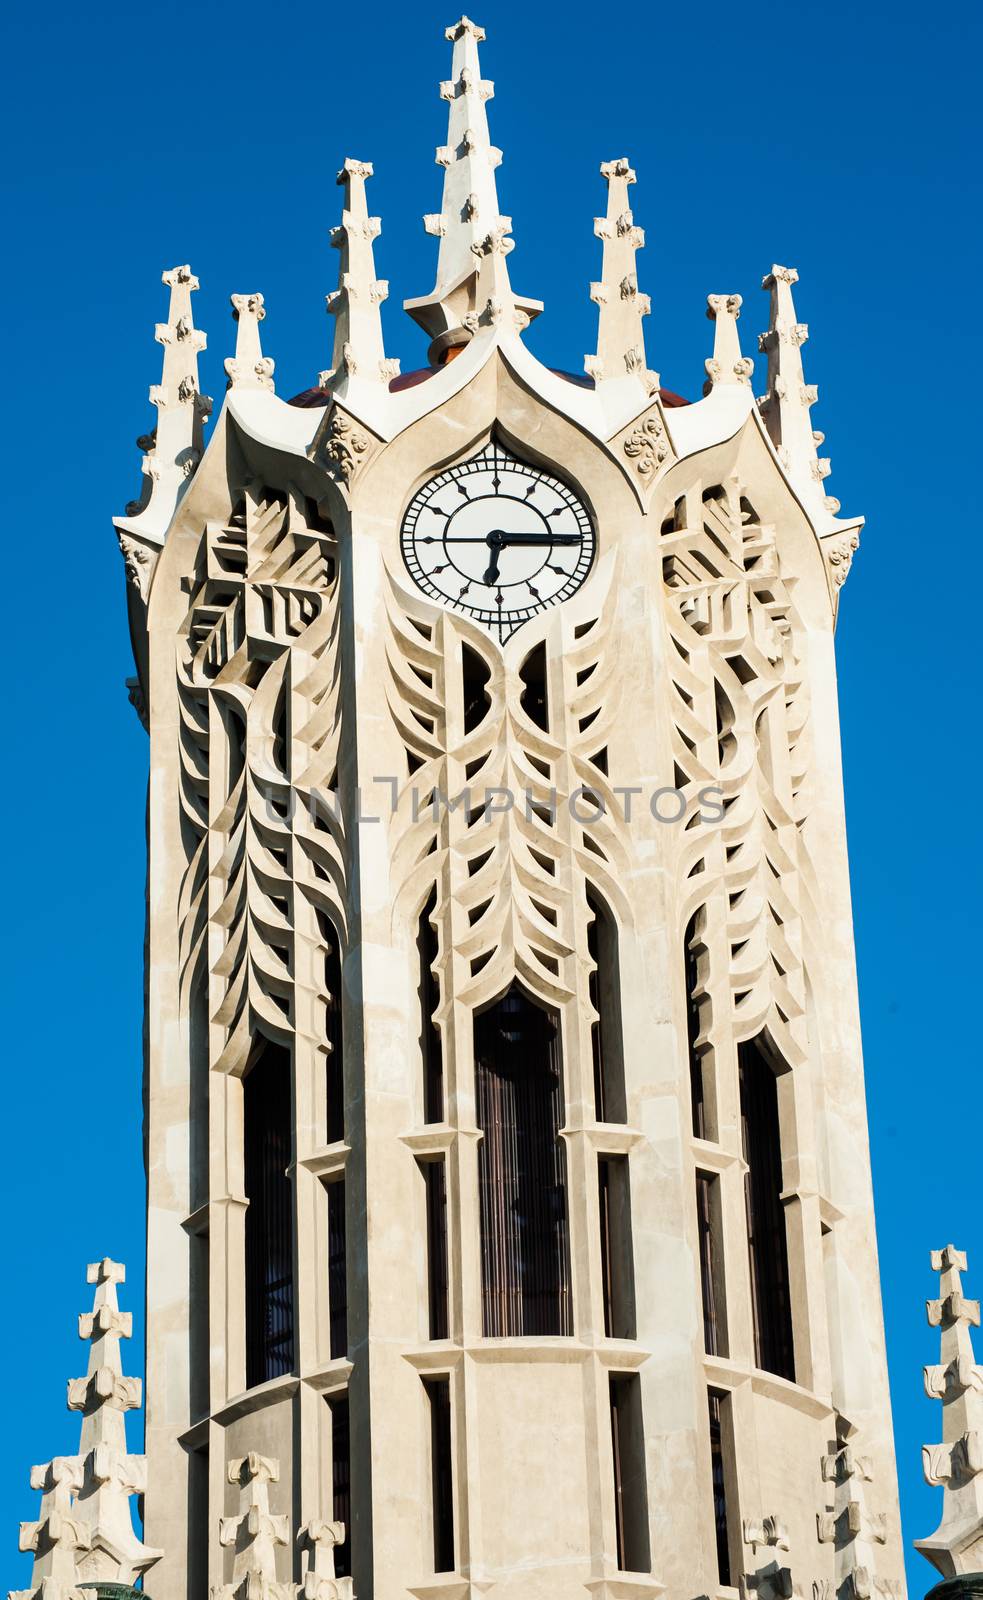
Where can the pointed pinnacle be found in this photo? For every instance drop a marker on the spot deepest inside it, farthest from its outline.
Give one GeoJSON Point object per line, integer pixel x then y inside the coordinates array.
{"type": "Point", "coordinates": [469, 210]}
{"type": "Point", "coordinates": [249, 368]}
{"type": "Point", "coordinates": [726, 365]}
{"type": "Point", "coordinates": [621, 307]}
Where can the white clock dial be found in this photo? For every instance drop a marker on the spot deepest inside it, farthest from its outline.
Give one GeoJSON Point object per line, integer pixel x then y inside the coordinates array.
{"type": "Point", "coordinates": [497, 539]}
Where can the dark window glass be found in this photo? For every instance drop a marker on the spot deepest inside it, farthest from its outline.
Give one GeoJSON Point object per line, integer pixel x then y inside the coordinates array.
{"type": "Point", "coordinates": [442, 1472]}
{"type": "Point", "coordinates": [434, 1176]}
{"type": "Point", "coordinates": [630, 1494]}
{"type": "Point", "coordinates": [604, 987]}
{"type": "Point", "coordinates": [337, 1270]}
{"type": "Point", "coordinates": [525, 1259]}
{"type": "Point", "coordinates": [335, 1032]}
{"type": "Point", "coordinates": [697, 1095]}
{"type": "Point", "coordinates": [341, 1482]}
{"type": "Point", "coordinates": [718, 1446]}
{"type": "Point", "coordinates": [767, 1245]}
{"type": "Point", "coordinates": [475, 674]}
{"type": "Point", "coordinates": [711, 1264]}
{"type": "Point", "coordinates": [617, 1268]}
{"type": "Point", "coordinates": [430, 1040]}
{"type": "Point", "coordinates": [534, 695]}
{"type": "Point", "coordinates": [269, 1216]}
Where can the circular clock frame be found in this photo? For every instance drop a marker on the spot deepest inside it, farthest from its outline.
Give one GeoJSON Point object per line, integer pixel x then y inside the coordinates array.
{"type": "Point", "coordinates": [497, 539]}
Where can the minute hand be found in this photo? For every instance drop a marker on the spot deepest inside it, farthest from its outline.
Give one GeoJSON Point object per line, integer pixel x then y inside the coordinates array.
{"type": "Point", "coordinates": [535, 538]}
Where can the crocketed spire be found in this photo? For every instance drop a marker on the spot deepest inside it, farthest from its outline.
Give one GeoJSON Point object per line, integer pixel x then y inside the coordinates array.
{"type": "Point", "coordinates": [956, 1464]}
{"type": "Point", "coordinates": [789, 399]}
{"type": "Point", "coordinates": [358, 347]}
{"type": "Point", "coordinates": [173, 449]}
{"type": "Point", "coordinates": [620, 340]}
{"type": "Point", "coordinates": [254, 1534]}
{"type": "Point", "coordinates": [469, 216]}
{"type": "Point", "coordinates": [85, 1532]}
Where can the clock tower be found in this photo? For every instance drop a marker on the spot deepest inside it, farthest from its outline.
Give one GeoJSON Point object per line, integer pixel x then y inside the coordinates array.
{"type": "Point", "coordinates": [510, 1219]}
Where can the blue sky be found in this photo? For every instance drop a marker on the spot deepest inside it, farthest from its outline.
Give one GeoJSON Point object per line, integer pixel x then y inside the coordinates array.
{"type": "Point", "coordinates": [842, 141]}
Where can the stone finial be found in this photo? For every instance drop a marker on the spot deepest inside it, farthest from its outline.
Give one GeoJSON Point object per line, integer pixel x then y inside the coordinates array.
{"type": "Point", "coordinates": [173, 449]}
{"type": "Point", "coordinates": [956, 1464]}
{"type": "Point", "coordinates": [254, 1534]}
{"type": "Point", "coordinates": [469, 213]}
{"type": "Point", "coordinates": [109, 1474]}
{"type": "Point", "coordinates": [59, 1539]}
{"type": "Point", "coordinates": [851, 1525]}
{"type": "Point", "coordinates": [727, 364]}
{"type": "Point", "coordinates": [786, 404]}
{"type": "Point", "coordinates": [320, 1583]}
{"type": "Point", "coordinates": [249, 368]}
{"type": "Point", "coordinates": [85, 1533]}
{"type": "Point", "coordinates": [620, 341]}
{"type": "Point", "coordinates": [358, 348]}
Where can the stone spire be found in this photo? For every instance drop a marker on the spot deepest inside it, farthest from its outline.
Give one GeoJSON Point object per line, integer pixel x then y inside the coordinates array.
{"type": "Point", "coordinates": [788, 400]}
{"type": "Point", "coordinates": [249, 368]}
{"type": "Point", "coordinates": [58, 1538]}
{"type": "Point", "coordinates": [852, 1526]}
{"type": "Point", "coordinates": [727, 364]}
{"type": "Point", "coordinates": [84, 1533]}
{"type": "Point", "coordinates": [620, 341]}
{"type": "Point", "coordinates": [173, 449]}
{"type": "Point", "coordinates": [254, 1534]}
{"type": "Point", "coordinates": [469, 216]}
{"type": "Point", "coordinates": [358, 347]}
{"type": "Point", "coordinates": [109, 1475]}
{"type": "Point", "coordinates": [956, 1464]}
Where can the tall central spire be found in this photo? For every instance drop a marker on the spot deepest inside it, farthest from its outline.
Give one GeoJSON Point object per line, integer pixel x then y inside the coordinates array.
{"type": "Point", "coordinates": [469, 216]}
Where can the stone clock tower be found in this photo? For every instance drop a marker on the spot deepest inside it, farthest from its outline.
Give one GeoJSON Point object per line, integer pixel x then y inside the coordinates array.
{"type": "Point", "coordinates": [510, 1218]}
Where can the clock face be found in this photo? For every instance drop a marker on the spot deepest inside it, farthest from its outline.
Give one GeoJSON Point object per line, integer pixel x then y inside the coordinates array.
{"type": "Point", "coordinates": [497, 539]}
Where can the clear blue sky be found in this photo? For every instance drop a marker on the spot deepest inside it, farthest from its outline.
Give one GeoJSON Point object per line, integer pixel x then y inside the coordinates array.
{"type": "Point", "coordinates": [842, 140]}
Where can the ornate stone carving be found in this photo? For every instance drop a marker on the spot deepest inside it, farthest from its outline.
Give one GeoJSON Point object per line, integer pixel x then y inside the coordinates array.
{"type": "Point", "coordinates": [254, 1534]}
{"type": "Point", "coordinates": [344, 445]}
{"type": "Point", "coordinates": [765, 1531]}
{"type": "Point", "coordinates": [647, 445]}
{"type": "Point", "coordinates": [840, 554]}
{"type": "Point", "coordinates": [139, 561]}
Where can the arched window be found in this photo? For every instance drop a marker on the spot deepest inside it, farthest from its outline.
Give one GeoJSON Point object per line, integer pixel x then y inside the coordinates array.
{"type": "Point", "coordinates": [269, 1216]}
{"type": "Point", "coordinates": [767, 1244]}
{"type": "Point", "coordinates": [525, 1255]}
{"type": "Point", "coordinates": [605, 996]}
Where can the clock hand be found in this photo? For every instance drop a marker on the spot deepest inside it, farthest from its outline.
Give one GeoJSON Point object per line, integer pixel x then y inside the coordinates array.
{"type": "Point", "coordinates": [491, 572]}
{"type": "Point", "coordinates": [540, 538]}
{"type": "Point", "coordinates": [497, 540]}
